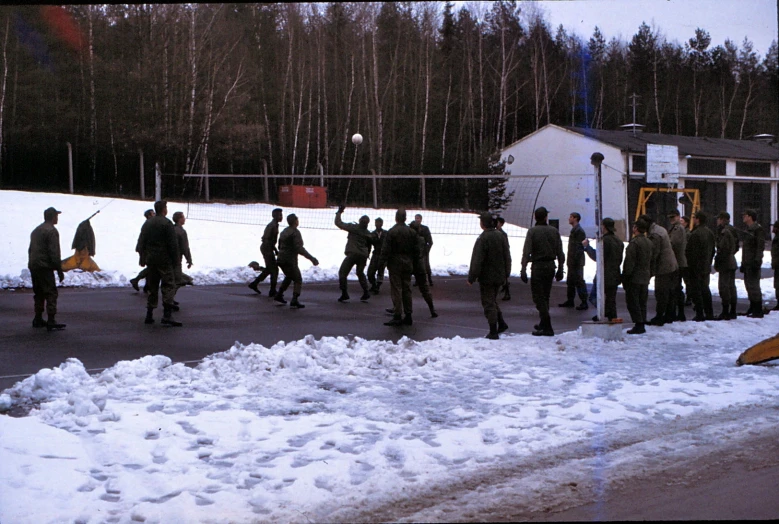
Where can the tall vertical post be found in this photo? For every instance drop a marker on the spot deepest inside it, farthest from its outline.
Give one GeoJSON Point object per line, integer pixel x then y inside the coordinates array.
{"type": "Point", "coordinates": [265, 181]}
{"type": "Point", "coordinates": [321, 171]}
{"type": "Point", "coordinates": [375, 196]}
{"type": "Point", "coordinates": [424, 196]}
{"type": "Point", "coordinates": [597, 159]}
{"type": "Point", "coordinates": [70, 167]}
{"type": "Point", "coordinates": [143, 176]}
{"type": "Point", "coordinates": [208, 186]}
{"type": "Point", "coordinates": [157, 182]}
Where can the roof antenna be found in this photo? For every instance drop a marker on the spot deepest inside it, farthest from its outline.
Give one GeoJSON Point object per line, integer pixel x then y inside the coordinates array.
{"type": "Point", "coordinates": [634, 97]}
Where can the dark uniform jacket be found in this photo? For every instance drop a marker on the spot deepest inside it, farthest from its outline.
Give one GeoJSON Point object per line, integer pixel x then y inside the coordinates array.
{"type": "Point", "coordinates": [269, 237]}
{"type": "Point", "coordinates": [44, 250]}
{"type": "Point", "coordinates": [491, 258]}
{"type": "Point", "coordinates": [612, 253]}
{"type": "Point", "coordinates": [157, 244]}
{"type": "Point", "coordinates": [419, 261]}
{"type": "Point", "coordinates": [575, 255]}
{"type": "Point", "coordinates": [183, 242]}
{"type": "Point", "coordinates": [424, 232]}
{"type": "Point", "coordinates": [663, 258]}
{"type": "Point", "coordinates": [290, 246]}
{"type": "Point", "coordinates": [379, 235]}
{"type": "Point", "coordinates": [753, 246]}
{"type": "Point", "coordinates": [678, 237]}
{"type": "Point", "coordinates": [725, 260]}
{"type": "Point", "coordinates": [775, 252]}
{"type": "Point", "coordinates": [543, 244]}
{"type": "Point", "coordinates": [400, 249]}
{"type": "Point", "coordinates": [359, 240]}
{"type": "Point", "coordinates": [84, 238]}
{"type": "Point", "coordinates": [700, 250]}
{"type": "Point", "coordinates": [638, 257]}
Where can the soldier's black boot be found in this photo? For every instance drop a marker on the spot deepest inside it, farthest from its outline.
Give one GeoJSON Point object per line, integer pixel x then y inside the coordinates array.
{"type": "Point", "coordinates": [407, 320]}
{"type": "Point", "coordinates": [567, 303]}
{"type": "Point", "coordinates": [493, 334]}
{"type": "Point", "coordinates": [378, 287]}
{"type": "Point", "coordinates": [725, 315]}
{"type": "Point", "coordinates": [757, 309]}
{"type": "Point", "coordinates": [167, 318]}
{"type": "Point", "coordinates": [279, 297]}
{"type": "Point", "coordinates": [52, 324]}
{"type": "Point", "coordinates": [253, 286]}
{"type": "Point", "coordinates": [396, 321]}
{"type": "Point", "coordinates": [134, 284]}
{"type": "Point", "coordinates": [344, 296]}
{"type": "Point", "coordinates": [365, 295]}
{"type": "Point", "coordinates": [149, 315]}
{"type": "Point", "coordinates": [502, 326]}
{"type": "Point", "coordinates": [433, 313]}
{"type": "Point", "coordinates": [733, 306]}
{"type": "Point", "coordinates": [38, 321]}
{"type": "Point", "coordinates": [295, 303]}
{"type": "Point", "coordinates": [638, 329]}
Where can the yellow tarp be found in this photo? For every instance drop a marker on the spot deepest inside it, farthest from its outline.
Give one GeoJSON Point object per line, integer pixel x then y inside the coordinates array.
{"type": "Point", "coordinates": [80, 260]}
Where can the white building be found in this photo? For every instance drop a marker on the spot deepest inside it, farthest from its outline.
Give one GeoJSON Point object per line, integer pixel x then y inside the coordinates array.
{"type": "Point", "coordinates": [731, 175]}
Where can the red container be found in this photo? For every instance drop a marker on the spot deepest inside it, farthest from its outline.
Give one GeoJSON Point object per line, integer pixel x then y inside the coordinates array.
{"type": "Point", "coordinates": [303, 196]}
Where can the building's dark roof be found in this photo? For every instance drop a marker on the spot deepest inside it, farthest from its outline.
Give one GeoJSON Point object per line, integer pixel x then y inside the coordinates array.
{"type": "Point", "coordinates": [688, 145]}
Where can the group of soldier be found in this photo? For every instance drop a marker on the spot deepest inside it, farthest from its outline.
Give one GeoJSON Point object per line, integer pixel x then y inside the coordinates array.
{"type": "Point", "coordinates": [672, 257]}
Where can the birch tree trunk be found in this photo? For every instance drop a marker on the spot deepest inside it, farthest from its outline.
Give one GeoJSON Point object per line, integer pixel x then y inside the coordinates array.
{"type": "Point", "coordinates": [92, 104]}
{"type": "Point", "coordinates": [2, 94]}
{"type": "Point", "coordinates": [192, 50]}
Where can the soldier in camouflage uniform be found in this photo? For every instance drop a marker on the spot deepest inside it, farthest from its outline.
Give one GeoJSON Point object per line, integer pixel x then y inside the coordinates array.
{"type": "Point", "coordinates": [290, 246]}
{"type": "Point", "coordinates": [44, 258]}
{"type": "Point", "coordinates": [491, 266]}
{"type": "Point", "coordinates": [358, 247]}
{"type": "Point", "coordinates": [400, 250]}
{"type": "Point", "coordinates": [182, 279]}
{"type": "Point", "coordinates": [752, 261]}
{"type": "Point", "coordinates": [375, 268]}
{"type": "Point", "coordinates": [145, 271]}
{"type": "Point", "coordinates": [269, 252]}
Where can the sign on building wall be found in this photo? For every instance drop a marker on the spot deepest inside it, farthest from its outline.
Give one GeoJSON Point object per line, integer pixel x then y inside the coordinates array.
{"type": "Point", "coordinates": [662, 164]}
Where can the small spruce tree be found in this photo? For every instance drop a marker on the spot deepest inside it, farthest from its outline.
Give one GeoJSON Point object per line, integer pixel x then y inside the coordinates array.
{"type": "Point", "coordinates": [497, 199]}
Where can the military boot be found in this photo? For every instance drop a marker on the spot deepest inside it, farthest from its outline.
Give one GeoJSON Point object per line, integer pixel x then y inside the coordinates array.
{"type": "Point", "coordinates": [167, 318]}
{"type": "Point", "coordinates": [134, 284]}
{"type": "Point", "coordinates": [279, 297]}
{"type": "Point", "coordinates": [253, 286]}
{"type": "Point", "coordinates": [295, 303]}
{"type": "Point", "coordinates": [407, 320]}
{"type": "Point", "coordinates": [344, 296]}
{"type": "Point", "coordinates": [502, 326]}
{"type": "Point", "coordinates": [757, 309]}
{"type": "Point", "coordinates": [378, 287]}
{"type": "Point", "coordinates": [149, 315]}
{"type": "Point", "coordinates": [38, 321]}
{"type": "Point", "coordinates": [52, 324]}
{"type": "Point", "coordinates": [365, 295]}
{"type": "Point", "coordinates": [493, 334]}
{"type": "Point", "coordinates": [638, 329]}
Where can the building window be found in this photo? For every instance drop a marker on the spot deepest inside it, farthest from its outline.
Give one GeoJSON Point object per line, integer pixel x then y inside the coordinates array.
{"type": "Point", "coordinates": [753, 169]}
{"type": "Point", "coordinates": [639, 164]}
{"type": "Point", "coordinates": [705, 166]}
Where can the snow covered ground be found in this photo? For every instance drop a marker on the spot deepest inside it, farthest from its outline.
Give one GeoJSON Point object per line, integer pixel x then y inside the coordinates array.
{"type": "Point", "coordinates": [320, 429]}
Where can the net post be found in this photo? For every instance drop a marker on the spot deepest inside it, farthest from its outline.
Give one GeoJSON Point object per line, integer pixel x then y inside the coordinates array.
{"type": "Point", "coordinates": [157, 182]}
{"type": "Point", "coordinates": [143, 175]}
{"type": "Point", "coordinates": [265, 181]}
{"type": "Point", "coordinates": [70, 167]}
{"type": "Point", "coordinates": [424, 197]}
{"type": "Point", "coordinates": [375, 198]}
{"type": "Point", "coordinates": [596, 160]}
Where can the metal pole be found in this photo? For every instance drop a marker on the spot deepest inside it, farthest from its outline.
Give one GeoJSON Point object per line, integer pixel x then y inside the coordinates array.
{"type": "Point", "coordinates": [321, 174]}
{"type": "Point", "coordinates": [143, 176]}
{"type": "Point", "coordinates": [265, 172]}
{"type": "Point", "coordinates": [597, 159]}
{"type": "Point", "coordinates": [424, 196]}
{"type": "Point", "coordinates": [208, 193]}
{"type": "Point", "coordinates": [70, 167]}
{"type": "Point", "coordinates": [157, 182]}
{"type": "Point", "coordinates": [375, 197]}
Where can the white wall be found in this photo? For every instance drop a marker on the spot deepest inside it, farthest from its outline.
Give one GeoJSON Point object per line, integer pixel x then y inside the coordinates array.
{"type": "Point", "coordinates": [561, 154]}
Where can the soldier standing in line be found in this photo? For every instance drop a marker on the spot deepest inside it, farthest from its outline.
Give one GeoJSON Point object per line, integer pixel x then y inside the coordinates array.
{"type": "Point", "coordinates": [752, 261]}
{"type": "Point", "coordinates": [159, 251]}
{"type": "Point", "coordinates": [419, 272]}
{"type": "Point", "coordinates": [635, 276]}
{"type": "Point", "coordinates": [678, 237]}
{"type": "Point", "coordinates": [491, 266]}
{"type": "Point", "coordinates": [424, 231]}
{"type": "Point", "coordinates": [685, 220]}
{"type": "Point", "coordinates": [725, 264]}
{"type": "Point", "coordinates": [664, 269]}
{"type": "Point", "coordinates": [44, 258]}
{"type": "Point", "coordinates": [269, 252]}
{"type": "Point", "coordinates": [542, 247]}
{"type": "Point", "coordinates": [358, 247]}
{"type": "Point", "coordinates": [700, 252]}
{"type": "Point", "coordinates": [290, 246]}
{"type": "Point", "coordinates": [575, 262]}
{"type": "Point", "coordinates": [507, 285]}
{"type": "Point", "coordinates": [182, 279]}
{"type": "Point", "coordinates": [775, 262]}
{"type": "Point", "coordinates": [375, 268]}
{"type": "Point", "coordinates": [145, 271]}
{"type": "Point", "coordinates": [400, 250]}
{"type": "Point", "coordinates": [612, 253]}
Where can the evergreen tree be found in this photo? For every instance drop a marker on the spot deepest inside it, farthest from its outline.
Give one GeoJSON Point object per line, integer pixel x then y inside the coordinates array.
{"type": "Point", "coordinates": [497, 199]}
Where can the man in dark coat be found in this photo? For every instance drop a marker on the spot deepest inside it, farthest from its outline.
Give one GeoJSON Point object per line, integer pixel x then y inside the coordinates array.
{"type": "Point", "coordinates": [700, 252]}
{"type": "Point", "coordinates": [290, 246]}
{"type": "Point", "coordinates": [145, 271]}
{"type": "Point", "coordinates": [159, 251]}
{"type": "Point", "coordinates": [751, 261]}
{"type": "Point", "coordinates": [424, 232]}
{"type": "Point", "coordinates": [677, 234]}
{"type": "Point", "coordinates": [375, 268]}
{"type": "Point", "coordinates": [506, 288]}
{"type": "Point", "coordinates": [542, 247]}
{"type": "Point", "coordinates": [491, 266]}
{"type": "Point", "coordinates": [400, 250]}
{"type": "Point", "coordinates": [269, 251]}
{"type": "Point", "coordinates": [419, 272]}
{"type": "Point", "coordinates": [613, 249]}
{"type": "Point", "coordinates": [665, 269]}
{"type": "Point", "coordinates": [358, 247]}
{"type": "Point", "coordinates": [775, 262]}
{"type": "Point", "coordinates": [44, 258]}
{"type": "Point", "coordinates": [635, 276]}
{"type": "Point", "coordinates": [574, 259]}
{"type": "Point", "coordinates": [725, 264]}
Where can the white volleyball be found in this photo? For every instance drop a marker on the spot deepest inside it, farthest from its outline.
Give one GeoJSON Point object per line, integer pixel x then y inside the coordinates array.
{"type": "Point", "coordinates": [357, 139]}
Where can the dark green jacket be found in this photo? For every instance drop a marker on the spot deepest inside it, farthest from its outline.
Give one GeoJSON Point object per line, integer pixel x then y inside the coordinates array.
{"type": "Point", "coordinates": [725, 260]}
{"type": "Point", "coordinates": [491, 258]}
{"type": "Point", "coordinates": [678, 238]}
{"type": "Point", "coordinates": [575, 256]}
{"type": "Point", "coordinates": [183, 241]}
{"type": "Point", "coordinates": [424, 232]}
{"type": "Point", "coordinates": [84, 238]}
{"type": "Point", "coordinates": [359, 240]}
{"type": "Point", "coordinates": [613, 248]}
{"type": "Point", "coordinates": [638, 258]}
{"type": "Point", "coordinates": [44, 250]}
{"type": "Point", "coordinates": [400, 249]}
{"type": "Point", "coordinates": [543, 244]}
{"type": "Point", "coordinates": [753, 246]}
{"type": "Point", "coordinates": [379, 235]}
{"type": "Point", "coordinates": [269, 237]}
{"type": "Point", "coordinates": [290, 246]}
{"type": "Point", "coordinates": [158, 243]}
{"type": "Point", "coordinates": [775, 252]}
{"type": "Point", "coordinates": [700, 250]}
